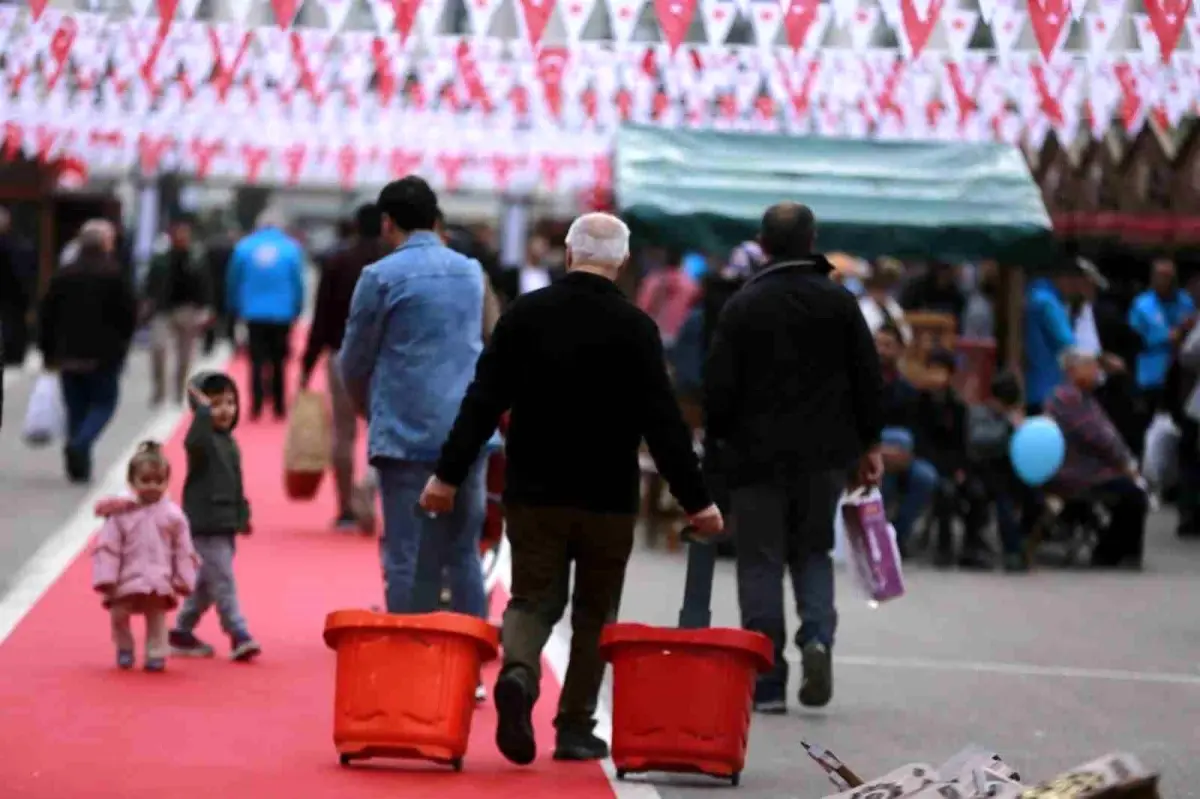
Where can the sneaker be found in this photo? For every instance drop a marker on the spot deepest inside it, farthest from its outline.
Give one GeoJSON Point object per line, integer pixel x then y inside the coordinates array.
{"type": "Point", "coordinates": [816, 689]}
{"type": "Point", "coordinates": [1016, 563]}
{"type": "Point", "coordinates": [243, 648]}
{"type": "Point", "coordinates": [514, 718]}
{"type": "Point", "coordinates": [345, 523]}
{"type": "Point", "coordinates": [770, 698]}
{"type": "Point", "coordinates": [480, 693]}
{"type": "Point", "coordinates": [124, 659]}
{"type": "Point", "coordinates": [185, 644]}
{"type": "Point", "coordinates": [578, 745]}
{"type": "Point", "coordinates": [155, 664]}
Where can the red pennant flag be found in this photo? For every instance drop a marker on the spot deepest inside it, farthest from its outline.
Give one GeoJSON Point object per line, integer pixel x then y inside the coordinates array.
{"type": "Point", "coordinates": [798, 19]}
{"type": "Point", "coordinates": [36, 7]}
{"type": "Point", "coordinates": [1049, 18]}
{"type": "Point", "coordinates": [537, 16]}
{"type": "Point", "coordinates": [401, 162]}
{"type": "Point", "coordinates": [293, 162]}
{"type": "Point", "coordinates": [285, 11]}
{"type": "Point", "coordinates": [203, 152]}
{"type": "Point", "coordinates": [406, 16]}
{"type": "Point", "coordinates": [551, 64]}
{"type": "Point", "coordinates": [151, 150]}
{"type": "Point", "coordinates": [60, 48]}
{"type": "Point", "coordinates": [674, 17]}
{"type": "Point", "coordinates": [451, 167]}
{"type": "Point", "coordinates": [13, 134]}
{"type": "Point", "coordinates": [917, 30]}
{"type": "Point", "coordinates": [254, 158]}
{"type": "Point", "coordinates": [347, 165]}
{"type": "Point", "coordinates": [1167, 18]}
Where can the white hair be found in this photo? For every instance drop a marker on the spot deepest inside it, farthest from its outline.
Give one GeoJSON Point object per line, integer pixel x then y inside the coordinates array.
{"type": "Point", "coordinates": [1074, 355]}
{"type": "Point", "coordinates": [271, 217]}
{"type": "Point", "coordinates": [598, 239]}
{"type": "Point", "coordinates": [98, 234]}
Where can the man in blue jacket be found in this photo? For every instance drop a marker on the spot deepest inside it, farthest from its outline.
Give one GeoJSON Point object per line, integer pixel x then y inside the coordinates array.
{"type": "Point", "coordinates": [408, 354]}
{"type": "Point", "coordinates": [1160, 316]}
{"type": "Point", "coordinates": [1048, 332]}
{"type": "Point", "coordinates": [265, 288]}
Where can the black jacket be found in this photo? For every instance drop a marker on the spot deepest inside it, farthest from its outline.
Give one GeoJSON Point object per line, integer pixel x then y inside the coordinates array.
{"type": "Point", "coordinates": [583, 372]}
{"type": "Point", "coordinates": [88, 316]}
{"type": "Point", "coordinates": [940, 434]}
{"type": "Point", "coordinates": [792, 384]}
{"type": "Point", "coordinates": [339, 276]}
{"type": "Point", "coordinates": [214, 498]}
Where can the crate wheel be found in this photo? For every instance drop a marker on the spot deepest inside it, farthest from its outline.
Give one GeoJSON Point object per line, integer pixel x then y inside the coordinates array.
{"type": "Point", "coordinates": [735, 779]}
{"type": "Point", "coordinates": [457, 764]}
{"type": "Point", "coordinates": [621, 774]}
{"type": "Point", "coordinates": [344, 759]}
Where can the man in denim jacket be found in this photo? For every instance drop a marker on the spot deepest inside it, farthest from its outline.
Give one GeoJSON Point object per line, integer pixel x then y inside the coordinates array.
{"type": "Point", "coordinates": [408, 354]}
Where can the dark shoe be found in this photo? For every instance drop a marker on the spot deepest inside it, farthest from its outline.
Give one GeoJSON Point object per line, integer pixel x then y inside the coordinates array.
{"type": "Point", "coordinates": [78, 465]}
{"type": "Point", "coordinates": [1016, 563]}
{"type": "Point", "coordinates": [156, 665]}
{"type": "Point", "coordinates": [770, 697]}
{"type": "Point", "coordinates": [514, 718]}
{"type": "Point", "coordinates": [124, 659]}
{"type": "Point", "coordinates": [575, 745]}
{"type": "Point", "coordinates": [1130, 563]}
{"type": "Point", "coordinates": [974, 560]}
{"type": "Point", "coordinates": [943, 560]}
{"type": "Point", "coordinates": [187, 645]}
{"type": "Point", "coordinates": [816, 689]}
{"type": "Point", "coordinates": [243, 648]}
{"type": "Point", "coordinates": [345, 523]}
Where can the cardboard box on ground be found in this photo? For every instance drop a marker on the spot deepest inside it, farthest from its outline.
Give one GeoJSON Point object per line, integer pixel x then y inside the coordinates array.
{"type": "Point", "coordinates": [977, 773]}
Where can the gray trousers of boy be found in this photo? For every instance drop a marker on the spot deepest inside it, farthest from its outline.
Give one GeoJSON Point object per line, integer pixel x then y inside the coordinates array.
{"type": "Point", "coordinates": [215, 586]}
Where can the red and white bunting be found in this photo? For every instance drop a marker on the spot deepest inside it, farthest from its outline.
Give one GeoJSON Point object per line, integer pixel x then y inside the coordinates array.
{"type": "Point", "coordinates": [575, 15]}
{"type": "Point", "coordinates": [718, 16]}
{"type": "Point", "coordinates": [766, 18]}
{"type": "Point", "coordinates": [959, 25]}
{"type": "Point", "coordinates": [623, 16]}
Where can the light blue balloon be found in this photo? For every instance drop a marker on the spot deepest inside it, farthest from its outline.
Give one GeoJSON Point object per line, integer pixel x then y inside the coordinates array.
{"type": "Point", "coordinates": [1037, 450]}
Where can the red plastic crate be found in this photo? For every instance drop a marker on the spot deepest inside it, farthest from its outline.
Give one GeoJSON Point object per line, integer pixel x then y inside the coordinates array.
{"type": "Point", "coordinates": [659, 675]}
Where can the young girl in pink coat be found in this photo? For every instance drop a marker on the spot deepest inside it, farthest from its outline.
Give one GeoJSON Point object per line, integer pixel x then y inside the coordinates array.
{"type": "Point", "coordinates": [142, 558]}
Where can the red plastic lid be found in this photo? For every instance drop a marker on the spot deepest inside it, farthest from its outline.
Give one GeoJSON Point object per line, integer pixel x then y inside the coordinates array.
{"type": "Point", "coordinates": [754, 644]}
{"type": "Point", "coordinates": [485, 635]}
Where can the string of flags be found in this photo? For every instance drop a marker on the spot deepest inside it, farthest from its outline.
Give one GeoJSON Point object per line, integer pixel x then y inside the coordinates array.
{"type": "Point", "coordinates": [284, 103]}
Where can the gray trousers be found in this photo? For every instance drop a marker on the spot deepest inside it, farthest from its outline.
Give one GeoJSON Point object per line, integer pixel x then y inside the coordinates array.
{"type": "Point", "coordinates": [215, 586]}
{"type": "Point", "coordinates": [778, 528]}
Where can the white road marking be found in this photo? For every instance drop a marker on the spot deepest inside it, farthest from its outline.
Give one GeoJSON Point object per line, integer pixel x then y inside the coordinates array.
{"type": "Point", "coordinates": [55, 556]}
{"type": "Point", "coordinates": [1016, 669]}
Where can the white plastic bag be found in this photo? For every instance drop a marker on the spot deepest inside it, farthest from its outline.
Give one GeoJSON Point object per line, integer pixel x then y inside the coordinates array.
{"type": "Point", "coordinates": [1160, 463]}
{"type": "Point", "coordinates": [45, 418]}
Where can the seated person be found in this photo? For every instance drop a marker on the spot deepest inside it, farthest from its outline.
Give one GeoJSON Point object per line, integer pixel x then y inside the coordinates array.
{"type": "Point", "coordinates": [940, 437]}
{"type": "Point", "coordinates": [991, 481]}
{"type": "Point", "coordinates": [909, 482]}
{"type": "Point", "coordinates": [1098, 463]}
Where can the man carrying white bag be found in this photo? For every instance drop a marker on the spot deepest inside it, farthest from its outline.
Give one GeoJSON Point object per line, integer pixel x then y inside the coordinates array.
{"type": "Point", "coordinates": [45, 418]}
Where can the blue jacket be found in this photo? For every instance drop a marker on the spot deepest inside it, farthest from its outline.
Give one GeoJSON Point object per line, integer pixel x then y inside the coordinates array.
{"type": "Point", "coordinates": [1153, 321]}
{"type": "Point", "coordinates": [266, 278]}
{"type": "Point", "coordinates": [1048, 332]}
{"type": "Point", "coordinates": [412, 339]}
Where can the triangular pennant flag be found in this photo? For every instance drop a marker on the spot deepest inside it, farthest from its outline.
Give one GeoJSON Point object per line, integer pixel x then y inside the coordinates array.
{"type": "Point", "coordinates": [1007, 24]}
{"type": "Point", "coordinates": [1049, 19]}
{"type": "Point", "coordinates": [719, 16]}
{"type": "Point", "coordinates": [623, 18]}
{"type": "Point", "coordinates": [535, 14]}
{"type": "Point", "coordinates": [986, 9]}
{"type": "Point", "coordinates": [1167, 18]}
{"type": "Point", "coordinates": [922, 9]}
{"type": "Point", "coordinates": [285, 11]}
{"type": "Point", "coordinates": [766, 18]}
{"type": "Point", "coordinates": [959, 25]}
{"type": "Point", "coordinates": [430, 17]}
{"type": "Point", "coordinates": [843, 11]}
{"type": "Point", "coordinates": [1099, 33]}
{"type": "Point", "coordinates": [188, 8]}
{"type": "Point", "coordinates": [481, 13]}
{"type": "Point", "coordinates": [336, 12]}
{"type": "Point", "coordinates": [916, 27]}
{"type": "Point", "coordinates": [804, 20]}
{"type": "Point", "coordinates": [862, 27]}
{"type": "Point", "coordinates": [674, 19]}
{"type": "Point", "coordinates": [140, 8]}
{"type": "Point", "coordinates": [239, 10]}
{"type": "Point", "coordinates": [575, 15]}
{"type": "Point", "coordinates": [1078, 7]}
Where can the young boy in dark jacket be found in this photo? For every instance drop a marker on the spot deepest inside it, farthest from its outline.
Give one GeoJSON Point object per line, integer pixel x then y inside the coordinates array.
{"type": "Point", "coordinates": [217, 510]}
{"type": "Point", "coordinates": [940, 437]}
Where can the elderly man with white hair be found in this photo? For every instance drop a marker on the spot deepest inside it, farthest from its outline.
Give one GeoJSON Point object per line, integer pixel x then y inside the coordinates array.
{"type": "Point", "coordinates": [581, 370]}
{"type": "Point", "coordinates": [87, 320]}
{"type": "Point", "coordinates": [1098, 462]}
{"type": "Point", "coordinates": [265, 289]}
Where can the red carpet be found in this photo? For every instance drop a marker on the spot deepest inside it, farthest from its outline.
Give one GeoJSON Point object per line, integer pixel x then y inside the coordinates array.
{"type": "Point", "coordinates": [72, 725]}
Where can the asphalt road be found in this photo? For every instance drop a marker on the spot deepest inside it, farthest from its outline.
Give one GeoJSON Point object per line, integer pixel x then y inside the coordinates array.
{"type": "Point", "coordinates": [1050, 669]}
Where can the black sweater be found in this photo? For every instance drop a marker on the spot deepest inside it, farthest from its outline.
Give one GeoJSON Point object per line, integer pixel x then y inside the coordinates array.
{"type": "Point", "coordinates": [88, 317]}
{"type": "Point", "coordinates": [792, 384]}
{"type": "Point", "coordinates": [584, 375]}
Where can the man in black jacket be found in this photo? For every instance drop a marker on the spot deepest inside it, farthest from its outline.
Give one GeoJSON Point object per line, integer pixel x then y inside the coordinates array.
{"type": "Point", "coordinates": [583, 372]}
{"type": "Point", "coordinates": [792, 402]}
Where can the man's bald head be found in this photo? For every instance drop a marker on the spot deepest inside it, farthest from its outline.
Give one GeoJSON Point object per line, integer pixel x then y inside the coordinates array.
{"type": "Point", "coordinates": [789, 230]}
{"type": "Point", "coordinates": [598, 240]}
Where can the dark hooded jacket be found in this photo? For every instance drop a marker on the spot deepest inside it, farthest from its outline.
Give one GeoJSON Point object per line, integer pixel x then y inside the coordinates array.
{"type": "Point", "coordinates": [214, 498]}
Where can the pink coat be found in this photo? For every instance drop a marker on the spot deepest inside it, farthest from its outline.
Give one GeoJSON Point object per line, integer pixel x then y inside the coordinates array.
{"type": "Point", "coordinates": [145, 552]}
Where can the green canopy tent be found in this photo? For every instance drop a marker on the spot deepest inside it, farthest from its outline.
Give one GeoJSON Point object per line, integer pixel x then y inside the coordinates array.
{"type": "Point", "coordinates": [952, 201]}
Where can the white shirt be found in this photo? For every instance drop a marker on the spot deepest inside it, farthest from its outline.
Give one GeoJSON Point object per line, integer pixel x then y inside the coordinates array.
{"type": "Point", "coordinates": [1087, 336]}
{"type": "Point", "coordinates": [876, 318]}
{"type": "Point", "coordinates": [532, 278]}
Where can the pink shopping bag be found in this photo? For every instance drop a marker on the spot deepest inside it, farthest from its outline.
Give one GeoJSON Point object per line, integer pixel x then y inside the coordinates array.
{"type": "Point", "coordinates": [871, 546]}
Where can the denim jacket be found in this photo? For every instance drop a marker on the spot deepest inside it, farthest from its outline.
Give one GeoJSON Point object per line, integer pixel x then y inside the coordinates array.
{"type": "Point", "coordinates": [411, 343]}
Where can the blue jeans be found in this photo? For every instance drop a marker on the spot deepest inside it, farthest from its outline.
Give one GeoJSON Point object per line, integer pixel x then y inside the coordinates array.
{"type": "Point", "coordinates": [416, 549]}
{"type": "Point", "coordinates": [922, 482]}
{"type": "Point", "coordinates": [778, 527]}
{"type": "Point", "coordinates": [90, 399]}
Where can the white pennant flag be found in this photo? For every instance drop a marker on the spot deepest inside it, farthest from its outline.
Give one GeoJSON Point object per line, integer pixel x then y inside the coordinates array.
{"type": "Point", "coordinates": [959, 25]}
{"type": "Point", "coordinates": [195, 51]}
{"type": "Point", "coordinates": [481, 13]}
{"type": "Point", "coordinates": [766, 18]}
{"type": "Point", "coordinates": [240, 9]}
{"type": "Point", "coordinates": [719, 16]}
{"type": "Point", "coordinates": [335, 13]}
{"type": "Point", "coordinates": [1078, 7]}
{"type": "Point", "coordinates": [575, 16]}
{"type": "Point", "coordinates": [187, 8]}
{"type": "Point", "coordinates": [986, 9]}
{"type": "Point", "coordinates": [843, 11]}
{"type": "Point", "coordinates": [922, 8]}
{"type": "Point", "coordinates": [1099, 33]}
{"type": "Point", "coordinates": [430, 17]}
{"type": "Point", "coordinates": [623, 17]}
{"type": "Point", "coordinates": [141, 7]}
{"type": "Point", "coordinates": [1147, 38]}
{"type": "Point", "coordinates": [862, 27]}
{"type": "Point", "coordinates": [1007, 24]}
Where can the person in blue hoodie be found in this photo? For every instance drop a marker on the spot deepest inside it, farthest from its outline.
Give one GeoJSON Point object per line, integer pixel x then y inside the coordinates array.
{"type": "Point", "coordinates": [265, 288]}
{"type": "Point", "coordinates": [1048, 332]}
{"type": "Point", "coordinates": [1161, 316]}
